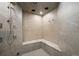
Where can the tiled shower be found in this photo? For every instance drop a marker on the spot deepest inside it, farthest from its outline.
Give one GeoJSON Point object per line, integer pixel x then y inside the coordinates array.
{"type": "Point", "coordinates": [39, 28]}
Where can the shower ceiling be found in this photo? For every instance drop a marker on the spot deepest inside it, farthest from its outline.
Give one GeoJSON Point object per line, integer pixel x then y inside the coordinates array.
{"type": "Point", "coordinates": [39, 8]}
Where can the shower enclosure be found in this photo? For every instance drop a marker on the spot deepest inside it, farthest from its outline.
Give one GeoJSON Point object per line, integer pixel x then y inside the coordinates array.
{"type": "Point", "coordinates": [38, 28]}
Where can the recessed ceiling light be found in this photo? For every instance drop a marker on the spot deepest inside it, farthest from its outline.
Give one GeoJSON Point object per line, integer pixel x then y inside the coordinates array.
{"type": "Point", "coordinates": [46, 8]}
{"type": "Point", "coordinates": [33, 10]}
{"type": "Point", "coordinates": [41, 12]}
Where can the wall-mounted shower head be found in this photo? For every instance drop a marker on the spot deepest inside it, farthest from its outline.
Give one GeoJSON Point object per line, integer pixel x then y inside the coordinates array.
{"type": "Point", "coordinates": [51, 20]}
{"type": "Point", "coordinates": [11, 7]}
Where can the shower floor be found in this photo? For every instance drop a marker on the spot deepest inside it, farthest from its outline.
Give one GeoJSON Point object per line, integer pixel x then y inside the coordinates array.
{"type": "Point", "coordinates": [38, 52]}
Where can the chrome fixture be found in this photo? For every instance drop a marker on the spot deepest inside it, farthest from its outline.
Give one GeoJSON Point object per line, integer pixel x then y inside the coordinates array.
{"type": "Point", "coordinates": [0, 39]}
{"type": "Point", "coordinates": [0, 25]}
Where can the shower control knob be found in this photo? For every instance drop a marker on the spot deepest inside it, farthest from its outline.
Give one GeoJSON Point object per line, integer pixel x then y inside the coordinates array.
{"type": "Point", "coordinates": [14, 37]}
{"type": "Point", "coordinates": [0, 39]}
